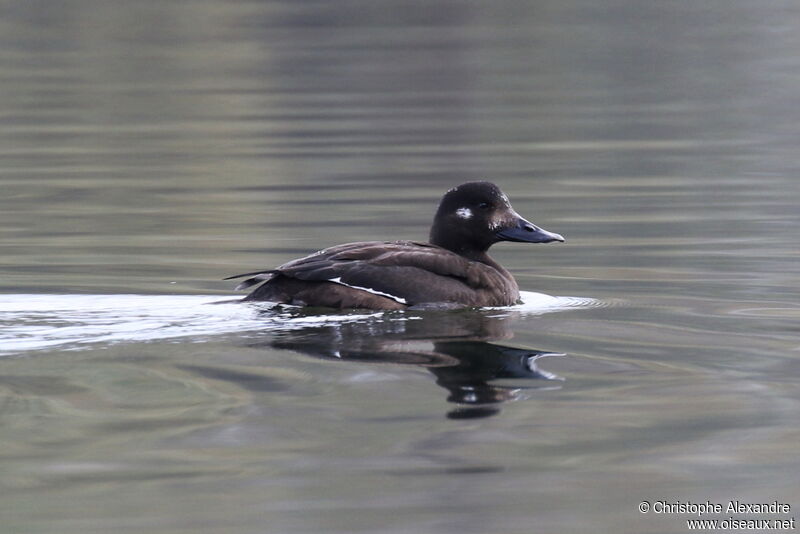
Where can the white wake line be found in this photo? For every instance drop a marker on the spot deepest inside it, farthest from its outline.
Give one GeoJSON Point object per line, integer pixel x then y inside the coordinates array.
{"type": "Point", "coordinates": [39, 322]}
{"type": "Point", "coordinates": [538, 303]}
{"type": "Point", "coordinates": [35, 322]}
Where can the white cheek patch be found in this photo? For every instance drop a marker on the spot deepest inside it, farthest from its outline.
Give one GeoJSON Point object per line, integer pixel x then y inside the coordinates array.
{"type": "Point", "coordinates": [464, 213]}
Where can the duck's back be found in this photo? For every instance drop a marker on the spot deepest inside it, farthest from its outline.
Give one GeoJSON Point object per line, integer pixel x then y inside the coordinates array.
{"type": "Point", "coordinates": [384, 275]}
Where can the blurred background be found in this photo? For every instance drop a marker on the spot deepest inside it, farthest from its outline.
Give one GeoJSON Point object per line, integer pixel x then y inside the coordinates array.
{"type": "Point", "coordinates": [154, 147]}
{"type": "Point", "coordinates": [157, 142]}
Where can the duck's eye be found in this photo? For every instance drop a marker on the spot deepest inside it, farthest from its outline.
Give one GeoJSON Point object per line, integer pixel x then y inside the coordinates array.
{"type": "Point", "coordinates": [484, 205]}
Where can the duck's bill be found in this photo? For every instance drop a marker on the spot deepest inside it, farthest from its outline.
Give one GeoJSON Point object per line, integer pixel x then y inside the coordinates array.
{"type": "Point", "coordinates": [527, 232]}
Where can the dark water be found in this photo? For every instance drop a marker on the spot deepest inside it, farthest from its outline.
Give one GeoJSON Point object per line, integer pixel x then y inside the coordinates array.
{"type": "Point", "coordinates": [148, 149]}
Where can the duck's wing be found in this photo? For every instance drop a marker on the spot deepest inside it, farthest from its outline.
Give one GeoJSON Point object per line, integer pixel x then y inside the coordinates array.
{"type": "Point", "coordinates": [256, 277]}
{"type": "Point", "coordinates": [406, 271]}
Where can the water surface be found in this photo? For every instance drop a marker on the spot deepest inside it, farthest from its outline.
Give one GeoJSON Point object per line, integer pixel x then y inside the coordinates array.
{"type": "Point", "coordinates": [150, 149]}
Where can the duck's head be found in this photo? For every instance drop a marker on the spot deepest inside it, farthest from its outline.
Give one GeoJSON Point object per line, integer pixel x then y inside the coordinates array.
{"type": "Point", "coordinates": [474, 216]}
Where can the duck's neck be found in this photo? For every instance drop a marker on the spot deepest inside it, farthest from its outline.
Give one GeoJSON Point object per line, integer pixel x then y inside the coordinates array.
{"type": "Point", "coordinates": [484, 258]}
{"type": "Point", "coordinates": [476, 255]}
{"type": "Point", "coordinates": [466, 251]}
{"type": "Point", "coordinates": [440, 237]}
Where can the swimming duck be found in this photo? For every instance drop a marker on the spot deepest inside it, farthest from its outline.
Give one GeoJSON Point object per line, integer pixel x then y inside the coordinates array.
{"type": "Point", "coordinates": [451, 270]}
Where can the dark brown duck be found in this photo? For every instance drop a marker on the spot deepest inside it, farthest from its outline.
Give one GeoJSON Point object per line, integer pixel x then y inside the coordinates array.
{"type": "Point", "coordinates": [451, 270]}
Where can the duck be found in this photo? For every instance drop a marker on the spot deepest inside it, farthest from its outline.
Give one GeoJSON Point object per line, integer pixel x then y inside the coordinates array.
{"type": "Point", "coordinates": [451, 270]}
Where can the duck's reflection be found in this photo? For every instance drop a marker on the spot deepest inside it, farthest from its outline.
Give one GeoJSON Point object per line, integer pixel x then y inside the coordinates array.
{"type": "Point", "coordinates": [479, 376]}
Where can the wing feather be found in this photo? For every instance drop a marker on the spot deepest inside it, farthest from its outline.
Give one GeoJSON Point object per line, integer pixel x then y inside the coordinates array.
{"type": "Point", "coordinates": [408, 271]}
